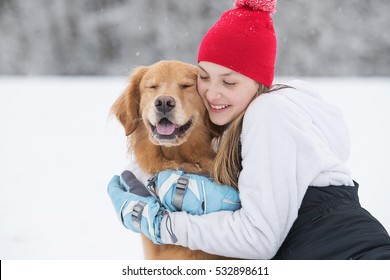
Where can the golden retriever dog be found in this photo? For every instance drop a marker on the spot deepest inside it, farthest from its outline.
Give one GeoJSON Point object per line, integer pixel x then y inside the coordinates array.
{"type": "Point", "coordinates": [168, 128]}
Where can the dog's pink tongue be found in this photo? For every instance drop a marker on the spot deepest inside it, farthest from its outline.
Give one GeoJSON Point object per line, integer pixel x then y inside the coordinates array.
{"type": "Point", "coordinates": [165, 128]}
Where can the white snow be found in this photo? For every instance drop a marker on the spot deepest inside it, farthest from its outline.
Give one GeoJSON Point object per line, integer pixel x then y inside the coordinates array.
{"type": "Point", "coordinates": [59, 149]}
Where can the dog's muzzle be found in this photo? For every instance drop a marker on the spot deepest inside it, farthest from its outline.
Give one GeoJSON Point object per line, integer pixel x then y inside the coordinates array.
{"type": "Point", "coordinates": [166, 130]}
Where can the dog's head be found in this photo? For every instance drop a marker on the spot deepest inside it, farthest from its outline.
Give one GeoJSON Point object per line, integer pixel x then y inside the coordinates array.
{"type": "Point", "coordinates": [163, 98]}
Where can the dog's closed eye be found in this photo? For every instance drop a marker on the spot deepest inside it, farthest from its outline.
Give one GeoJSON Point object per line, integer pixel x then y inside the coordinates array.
{"type": "Point", "coordinates": [184, 86]}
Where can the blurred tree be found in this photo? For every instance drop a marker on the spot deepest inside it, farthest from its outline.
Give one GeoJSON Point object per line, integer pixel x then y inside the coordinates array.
{"type": "Point", "coordinates": [109, 37]}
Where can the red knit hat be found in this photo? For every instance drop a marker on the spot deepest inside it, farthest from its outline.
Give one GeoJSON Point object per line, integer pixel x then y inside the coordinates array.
{"type": "Point", "coordinates": [244, 40]}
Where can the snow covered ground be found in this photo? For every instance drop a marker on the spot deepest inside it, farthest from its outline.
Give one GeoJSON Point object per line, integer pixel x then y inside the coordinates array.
{"type": "Point", "coordinates": [59, 149]}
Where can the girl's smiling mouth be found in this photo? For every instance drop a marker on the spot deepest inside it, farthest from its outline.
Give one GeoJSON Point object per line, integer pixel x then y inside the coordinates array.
{"type": "Point", "coordinates": [216, 107]}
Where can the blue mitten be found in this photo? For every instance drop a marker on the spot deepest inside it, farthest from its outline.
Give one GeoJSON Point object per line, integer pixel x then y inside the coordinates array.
{"type": "Point", "coordinates": [136, 207]}
{"type": "Point", "coordinates": [194, 194]}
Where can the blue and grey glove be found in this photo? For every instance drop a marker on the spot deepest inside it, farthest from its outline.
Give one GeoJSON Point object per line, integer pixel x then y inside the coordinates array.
{"type": "Point", "coordinates": [194, 194]}
{"type": "Point", "coordinates": [137, 208]}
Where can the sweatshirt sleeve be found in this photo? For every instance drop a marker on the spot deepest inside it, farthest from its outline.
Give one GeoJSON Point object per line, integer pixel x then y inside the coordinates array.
{"type": "Point", "coordinates": [282, 153]}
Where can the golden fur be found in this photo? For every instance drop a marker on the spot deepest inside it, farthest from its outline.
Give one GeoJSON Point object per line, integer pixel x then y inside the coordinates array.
{"type": "Point", "coordinates": [167, 90]}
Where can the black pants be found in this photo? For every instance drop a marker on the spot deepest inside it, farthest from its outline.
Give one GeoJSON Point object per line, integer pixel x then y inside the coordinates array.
{"type": "Point", "coordinates": [331, 225]}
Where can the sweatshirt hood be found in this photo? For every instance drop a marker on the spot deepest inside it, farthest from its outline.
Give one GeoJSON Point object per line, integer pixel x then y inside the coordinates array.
{"type": "Point", "coordinates": [326, 117]}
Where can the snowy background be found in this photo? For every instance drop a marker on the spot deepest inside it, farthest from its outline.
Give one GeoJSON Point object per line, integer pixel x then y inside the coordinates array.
{"type": "Point", "coordinates": [59, 149]}
{"type": "Point", "coordinates": [63, 63]}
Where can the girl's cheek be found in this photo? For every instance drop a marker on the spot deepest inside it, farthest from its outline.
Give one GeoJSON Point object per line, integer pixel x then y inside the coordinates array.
{"type": "Point", "coordinates": [201, 87]}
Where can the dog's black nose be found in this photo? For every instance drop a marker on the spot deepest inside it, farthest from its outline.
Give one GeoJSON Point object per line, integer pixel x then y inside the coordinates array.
{"type": "Point", "coordinates": [165, 104]}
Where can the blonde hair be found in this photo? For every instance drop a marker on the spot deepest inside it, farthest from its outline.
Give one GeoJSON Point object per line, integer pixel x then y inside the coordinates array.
{"type": "Point", "coordinates": [227, 165]}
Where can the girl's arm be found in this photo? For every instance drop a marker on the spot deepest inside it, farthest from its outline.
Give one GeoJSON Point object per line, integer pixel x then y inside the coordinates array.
{"type": "Point", "coordinates": [283, 153]}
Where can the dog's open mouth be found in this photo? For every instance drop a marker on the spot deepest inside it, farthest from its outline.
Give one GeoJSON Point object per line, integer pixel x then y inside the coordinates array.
{"type": "Point", "coordinates": [166, 130]}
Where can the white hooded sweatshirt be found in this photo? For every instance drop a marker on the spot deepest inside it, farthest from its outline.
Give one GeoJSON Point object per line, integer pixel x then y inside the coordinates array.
{"type": "Point", "coordinates": [291, 139]}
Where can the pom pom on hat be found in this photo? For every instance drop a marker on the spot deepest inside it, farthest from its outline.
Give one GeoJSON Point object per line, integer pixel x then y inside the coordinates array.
{"type": "Point", "coordinates": [244, 40]}
{"type": "Point", "coordinates": [260, 5]}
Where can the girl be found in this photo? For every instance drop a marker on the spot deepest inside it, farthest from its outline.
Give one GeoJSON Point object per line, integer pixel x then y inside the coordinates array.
{"type": "Point", "coordinates": [283, 148]}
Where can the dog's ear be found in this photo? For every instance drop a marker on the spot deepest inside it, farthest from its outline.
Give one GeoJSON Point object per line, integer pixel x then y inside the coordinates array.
{"type": "Point", "coordinates": [126, 107]}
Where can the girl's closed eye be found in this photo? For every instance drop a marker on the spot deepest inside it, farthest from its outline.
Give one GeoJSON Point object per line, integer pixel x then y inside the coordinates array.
{"type": "Point", "coordinates": [203, 77]}
{"type": "Point", "coordinates": [229, 83]}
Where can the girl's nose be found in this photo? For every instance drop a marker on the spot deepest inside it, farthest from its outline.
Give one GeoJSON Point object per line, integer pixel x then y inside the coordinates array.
{"type": "Point", "coordinates": [212, 93]}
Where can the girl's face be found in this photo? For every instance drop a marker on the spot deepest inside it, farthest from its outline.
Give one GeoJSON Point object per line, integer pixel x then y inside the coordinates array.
{"type": "Point", "coordinates": [224, 92]}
